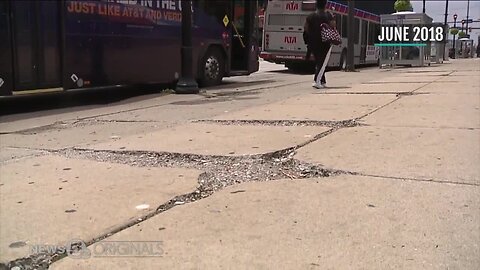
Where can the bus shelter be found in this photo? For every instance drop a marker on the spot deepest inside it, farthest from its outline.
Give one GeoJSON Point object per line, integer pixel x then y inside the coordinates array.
{"type": "Point", "coordinates": [406, 55]}
{"type": "Point", "coordinates": [466, 47]}
{"type": "Point", "coordinates": [438, 52]}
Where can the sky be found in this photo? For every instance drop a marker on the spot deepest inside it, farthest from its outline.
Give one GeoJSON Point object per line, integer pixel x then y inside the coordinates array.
{"type": "Point", "coordinates": [436, 10]}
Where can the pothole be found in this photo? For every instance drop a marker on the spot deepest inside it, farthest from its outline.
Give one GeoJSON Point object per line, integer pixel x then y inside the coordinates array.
{"type": "Point", "coordinates": [286, 123]}
{"type": "Point", "coordinates": [218, 172]}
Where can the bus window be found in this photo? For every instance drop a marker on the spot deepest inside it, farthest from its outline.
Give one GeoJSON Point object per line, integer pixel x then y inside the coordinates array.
{"type": "Point", "coordinates": [357, 30]}
{"type": "Point", "coordinates": [371, 33]}
{"type": "Point", "coordinates": [239, 15]}
{"type": "Point", "coordinates": [364, 32]}
{"type": "Point", "coordinates": [338, 19]}
{"type": "Point", "coordinates": [217, 10]}
{"type": "Point", "coordinates": [286, 20]}
{"type": "Point", "coordinates": [344, 26]}
{"type": "Point", "coordinates": [275, 19]}
{"type": "Point", "coordinates": [294, 20]}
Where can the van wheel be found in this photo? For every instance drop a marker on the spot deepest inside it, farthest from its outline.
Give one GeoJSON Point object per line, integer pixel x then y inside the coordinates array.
{"type": "Point", "coordinates": [212, 68]}
{"type": "Point", "coordinates": [343, 61]}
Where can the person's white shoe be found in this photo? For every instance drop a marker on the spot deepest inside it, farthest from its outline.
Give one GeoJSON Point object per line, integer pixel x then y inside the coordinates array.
{"type": "Point", "coordinates": [318, 86]}
{"type": "Point", "coordinates": [324, 85]}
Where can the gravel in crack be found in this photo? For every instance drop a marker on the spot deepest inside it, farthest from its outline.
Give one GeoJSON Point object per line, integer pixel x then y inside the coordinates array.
{"type": "Point", "coordinates": [218, 171]}
{"type": "Point", "coordinates": [286, 123]}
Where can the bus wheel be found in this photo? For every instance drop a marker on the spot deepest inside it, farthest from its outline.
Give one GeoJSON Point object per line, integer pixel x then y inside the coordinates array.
{"type": "Point", "coordinates": [343, 60]}
{"type": "Point", "coordinates": [213, 68]}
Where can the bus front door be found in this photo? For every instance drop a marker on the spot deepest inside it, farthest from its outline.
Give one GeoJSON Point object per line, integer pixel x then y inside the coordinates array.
{"type": "Point", "coordinates": [36, 44]}
{"type": "Point", "coordinates": [244, 54]}
{"type": "Point", "coordinates": [6, 80]}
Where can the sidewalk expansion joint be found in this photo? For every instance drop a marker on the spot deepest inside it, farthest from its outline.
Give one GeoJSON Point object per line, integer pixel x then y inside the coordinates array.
{"type": "Point", "coordinates": [426, 180]}
{"type": "Point", "coordinates": [251, 89]}
{"type": "Point", "coordinates": [61, 125]}
{"type": "Point", "coordinates": [398, 97]}
{"type": "Point", "coordinates": [410, 94]}
{"type": "Point", "coordinates": [367, 83]}
{"type": "Point", "coordinates": [218, 172]}
{"type": "Point", "coordinates": [286, 123]}
{"type": "Point", "coordinates": [363, 93]}
{"type": "Point", "coordinates": [379, 108]}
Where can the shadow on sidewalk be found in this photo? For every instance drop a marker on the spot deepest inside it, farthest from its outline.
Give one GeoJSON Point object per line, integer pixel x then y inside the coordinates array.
{"type": "Point", "coordinates": [235, 84]}
{"type": "Point", "coordinates": [335, 88]}
{"type": "Point", "coordinates": [76, 100]}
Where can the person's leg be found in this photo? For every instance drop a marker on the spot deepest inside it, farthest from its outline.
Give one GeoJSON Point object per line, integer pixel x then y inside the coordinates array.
{"type": "Point", "coordinates": [318, 64]}
{"type": "Point", "coordinates": [325, 56]}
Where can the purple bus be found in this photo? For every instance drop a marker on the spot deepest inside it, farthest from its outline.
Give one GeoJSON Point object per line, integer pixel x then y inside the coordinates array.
{"type": "Point", "coordinates": [74, 44]}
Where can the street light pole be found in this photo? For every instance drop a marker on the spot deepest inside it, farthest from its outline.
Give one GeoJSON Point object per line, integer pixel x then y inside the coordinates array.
{"type": "Point", "coordinates": [468, 15]}
{"type": "Point", "coordinates": [424, 6]}
{"type": "Point", "coordinates": [351, 36]}
{"type": "Point", "coordinates": [454, 26]}
{"type": "Point", "coordinates": [461, 43]}
{"type": "Point", "coordinates": [187, 84]}
{"type": "Point", "coordinates": [446, 28]}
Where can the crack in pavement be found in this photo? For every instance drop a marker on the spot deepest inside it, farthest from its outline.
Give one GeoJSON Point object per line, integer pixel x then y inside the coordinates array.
{"type": "Point", "coordinates": [170, 103]}
{"type": "Point", "coordinates": [370, 93]}
{"type": "Point", "coordinates": [218, 172]}
{"type": "Point", "coordinates": [286, 123]}
{"type": "Point", "coordinates": [428, 82]}
{"type": "Point", "coordinates": [428, 180]}
{"type": "Point", "coordinates": [61, 125]}
{"type": "Point", "coordinates": [71, 122]}
{"type": "Point", "coordinates": [427, 127]}
{"type": "Point", "coordinates": [396, 99]}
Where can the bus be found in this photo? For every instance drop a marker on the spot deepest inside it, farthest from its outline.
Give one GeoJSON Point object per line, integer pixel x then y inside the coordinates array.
{"type": "Point", "coordinates": [61, 45]}
{"type": "Point", "coordinates": [283, 40]}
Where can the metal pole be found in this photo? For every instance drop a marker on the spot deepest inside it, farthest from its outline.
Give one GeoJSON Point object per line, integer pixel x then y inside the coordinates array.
{"type": "Point", "coordinates": [468, 14]}
{"type": "Point", "coordinates": [461, 43]}
{"type": "Point", "coordinates": [351, 36]}
{"type": "Point", "coordinates": [446, 29]}
{"type": "Point", "coordinates": [454, 41]}
{"type": "Point", "coordinates": [424, 6]}
{"type": "Point", "coordinates": [187, 84]}
{"type": "Point", "coordinates": [466, 28]}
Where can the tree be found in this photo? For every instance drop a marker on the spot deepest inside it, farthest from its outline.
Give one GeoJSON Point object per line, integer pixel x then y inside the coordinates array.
{"type": "Point", "coordinates": [403, 5]}
{"type": "Point", "coordinates": [461, 34]}
{"type": "Point", "coordinates": [454, 31]}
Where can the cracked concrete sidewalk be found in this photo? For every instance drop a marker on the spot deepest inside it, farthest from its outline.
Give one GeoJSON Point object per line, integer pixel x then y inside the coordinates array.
{"type": "Point", "coordinates": [406, 194]}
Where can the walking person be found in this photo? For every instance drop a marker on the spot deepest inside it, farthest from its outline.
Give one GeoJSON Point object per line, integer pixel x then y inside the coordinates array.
{"type": "Point", "coordinates": [320, 50]}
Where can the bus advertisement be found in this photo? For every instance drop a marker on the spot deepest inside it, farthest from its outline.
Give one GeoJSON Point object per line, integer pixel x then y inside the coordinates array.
{"type": "Point", "coordinates": [75, 44]}
{"type": "Point", "coordinates": [283, 29]}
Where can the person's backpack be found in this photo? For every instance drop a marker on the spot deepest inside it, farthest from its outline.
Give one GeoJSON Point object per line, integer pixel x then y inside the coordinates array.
{"type": "Point", "coordinates": [330, 35]}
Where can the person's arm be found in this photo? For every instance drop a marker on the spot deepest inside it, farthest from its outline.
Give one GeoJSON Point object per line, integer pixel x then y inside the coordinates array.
{"type": "Point", "coordinates": [333, 24]}
{"type": "Point", "coordinates": [331, 20]}
{"type": "Point", "coordinates": [305, 32]}
{"type": "Point", "coordinates": [305, 26]}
